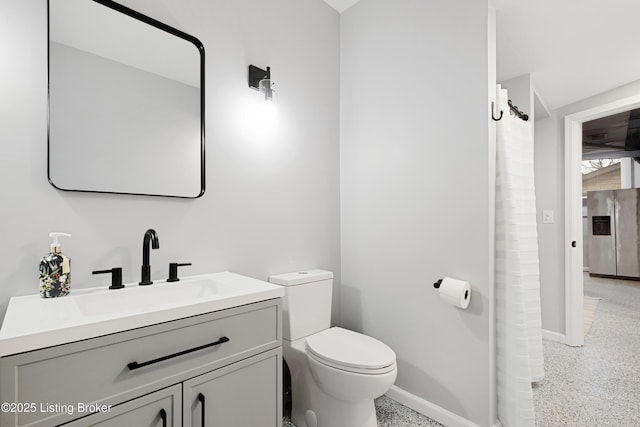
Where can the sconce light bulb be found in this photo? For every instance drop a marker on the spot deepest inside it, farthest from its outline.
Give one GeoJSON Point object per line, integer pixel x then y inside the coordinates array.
{"type": "Point", "coordinates": [266, 87]}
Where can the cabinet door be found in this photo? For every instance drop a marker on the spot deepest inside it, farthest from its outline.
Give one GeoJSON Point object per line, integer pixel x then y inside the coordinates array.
{"type": "Point", "coordinates": [160, 409]}
{"type": "Point", "coordinates": [245, 394]}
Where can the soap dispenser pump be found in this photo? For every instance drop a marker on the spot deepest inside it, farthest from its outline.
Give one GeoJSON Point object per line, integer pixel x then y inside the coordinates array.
{"type": "Point", "coordinates": [55, 270]}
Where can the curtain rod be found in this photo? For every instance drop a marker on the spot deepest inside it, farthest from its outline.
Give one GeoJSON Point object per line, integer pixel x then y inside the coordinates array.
{"type": "Point", "coordinates": [517, 112]}
{"type": "Point", "coordinates": [513, 109]}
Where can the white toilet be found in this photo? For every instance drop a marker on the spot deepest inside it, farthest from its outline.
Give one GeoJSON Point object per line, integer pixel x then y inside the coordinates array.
{"type": "Point", "coordinates": [335, 373]}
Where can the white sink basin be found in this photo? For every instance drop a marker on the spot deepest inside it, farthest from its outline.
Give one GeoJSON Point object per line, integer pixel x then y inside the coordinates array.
{"type": "Point", "coordinates": [32, 322]}
{"type": "Point", "coordinates": [134, 297]}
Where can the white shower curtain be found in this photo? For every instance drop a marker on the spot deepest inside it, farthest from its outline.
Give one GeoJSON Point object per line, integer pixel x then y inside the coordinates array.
{"type": "Point", "coordinates": [518, 320]}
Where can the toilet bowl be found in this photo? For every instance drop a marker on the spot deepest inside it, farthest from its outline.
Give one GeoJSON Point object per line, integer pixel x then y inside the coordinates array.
{"type": "Point", "coordinates": [335, 373]}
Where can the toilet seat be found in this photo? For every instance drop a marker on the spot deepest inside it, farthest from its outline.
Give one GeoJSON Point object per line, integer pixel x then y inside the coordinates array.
{"type": "Point", "coordinates": [350, 351]}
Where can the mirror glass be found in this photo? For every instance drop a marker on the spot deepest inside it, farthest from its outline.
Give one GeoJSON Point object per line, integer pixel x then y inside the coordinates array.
{"type": "Point", "coordinates": [126, 102]}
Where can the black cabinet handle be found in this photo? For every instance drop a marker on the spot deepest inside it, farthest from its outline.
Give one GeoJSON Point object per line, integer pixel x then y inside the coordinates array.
{"type": "Point", "coordinates": [573, 244]}
{"type": "Point", "coordinates": [163, 416]}
{"type": "Point", "coordinates": [202, 410]}
{"type": "Point", "coordinates": [136, 365]}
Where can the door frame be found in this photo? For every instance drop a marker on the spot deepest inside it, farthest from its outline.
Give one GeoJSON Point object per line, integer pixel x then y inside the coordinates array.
{"type": "Point", "coordinates": [574, 287]}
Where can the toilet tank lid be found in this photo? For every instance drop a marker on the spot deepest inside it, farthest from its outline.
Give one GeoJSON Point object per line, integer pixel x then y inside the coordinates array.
{"type": "Point", "coordinates": [300, 277]}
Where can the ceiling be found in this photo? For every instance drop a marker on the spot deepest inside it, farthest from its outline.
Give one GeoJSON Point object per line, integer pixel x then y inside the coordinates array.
{"type": "Point", "coordinates": [612, 137]}
{"type": "Point", "coordinates": [572, 48]}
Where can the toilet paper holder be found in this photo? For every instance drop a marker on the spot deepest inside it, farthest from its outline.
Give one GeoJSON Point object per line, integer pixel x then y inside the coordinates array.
{"type": "Point", "coordinates": [454, 291]}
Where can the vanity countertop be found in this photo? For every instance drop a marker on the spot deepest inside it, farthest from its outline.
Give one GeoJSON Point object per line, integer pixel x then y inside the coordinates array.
{"type": "Point", "coordinates": [32, 322]}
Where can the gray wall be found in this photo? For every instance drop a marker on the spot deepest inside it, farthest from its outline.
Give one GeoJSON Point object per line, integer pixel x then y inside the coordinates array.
{"type": "Point", "coordinates": [417, 184]}
{"type": "Point", "coordinates": [549, 182]}
{"type": "Point", "coordinates": [549, 170]}
{"type": "Point", "coordinates": [272, 200]}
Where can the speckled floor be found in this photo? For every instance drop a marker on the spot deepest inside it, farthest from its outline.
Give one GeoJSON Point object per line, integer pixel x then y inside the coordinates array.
{"type": "Point", "coordinates": [392, 414]}
{"type": "Point", "coordinates": [598, 384]}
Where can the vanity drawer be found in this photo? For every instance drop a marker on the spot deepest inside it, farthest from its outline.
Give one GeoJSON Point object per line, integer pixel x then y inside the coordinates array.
{"type": "Point", "coordinates": [99, 370]}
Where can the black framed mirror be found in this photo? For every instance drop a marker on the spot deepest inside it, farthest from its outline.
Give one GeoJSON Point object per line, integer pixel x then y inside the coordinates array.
{"type": "Point", "coordinates": [126, 102]}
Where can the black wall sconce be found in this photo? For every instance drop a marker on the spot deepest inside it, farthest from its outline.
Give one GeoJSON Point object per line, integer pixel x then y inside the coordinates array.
{"type": "Point", "coordinates": [260, 80]}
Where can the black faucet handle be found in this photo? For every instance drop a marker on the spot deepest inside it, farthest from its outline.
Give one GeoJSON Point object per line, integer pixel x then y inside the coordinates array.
{"type": "Point", "coordinates": [116, 277]}
{"type": "Point", "coordinates": [173, 271]}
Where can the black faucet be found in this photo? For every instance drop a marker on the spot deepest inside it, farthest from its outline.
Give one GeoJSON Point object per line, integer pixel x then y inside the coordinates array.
{"type": "Point", "coordinates": [149, 237]}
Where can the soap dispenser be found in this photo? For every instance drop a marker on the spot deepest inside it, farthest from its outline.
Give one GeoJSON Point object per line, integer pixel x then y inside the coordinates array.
{"type": "Point", "coordinates": [55, 270]}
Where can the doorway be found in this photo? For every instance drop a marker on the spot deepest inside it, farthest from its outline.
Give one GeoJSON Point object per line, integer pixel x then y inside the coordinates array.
{"type": "Point", "coordinates": [574, 287]}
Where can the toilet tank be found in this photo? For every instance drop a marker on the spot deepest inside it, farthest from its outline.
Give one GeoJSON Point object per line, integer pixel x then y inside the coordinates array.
{"type": "Point", "coordinates": [307, 302]}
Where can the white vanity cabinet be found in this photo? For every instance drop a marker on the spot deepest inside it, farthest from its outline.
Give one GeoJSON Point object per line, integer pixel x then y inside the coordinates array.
{"type": "Point", "coordinates": [225, 364]}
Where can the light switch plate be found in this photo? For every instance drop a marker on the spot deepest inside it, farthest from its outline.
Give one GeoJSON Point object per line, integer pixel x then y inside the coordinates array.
{"type": "Point", "coordinates": [547, 217]}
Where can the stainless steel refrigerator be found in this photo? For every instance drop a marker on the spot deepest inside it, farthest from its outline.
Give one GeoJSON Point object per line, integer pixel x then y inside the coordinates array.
{"type": "Point", "coordinates": [614, 233]}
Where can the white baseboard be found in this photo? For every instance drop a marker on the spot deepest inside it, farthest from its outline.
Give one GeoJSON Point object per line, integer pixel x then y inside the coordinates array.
{"type": "Point", "coordinates": [554, 336]}
{"type": "Point", "coordinates": [429, 409]}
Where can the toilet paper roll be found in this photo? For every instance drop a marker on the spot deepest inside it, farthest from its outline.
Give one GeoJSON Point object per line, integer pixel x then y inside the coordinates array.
{"type": "Point", "coordinates": [455, 292]}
